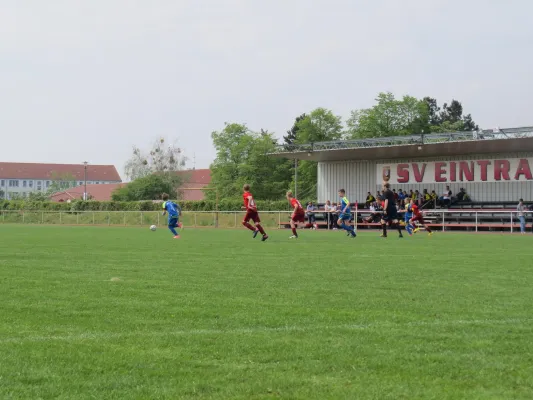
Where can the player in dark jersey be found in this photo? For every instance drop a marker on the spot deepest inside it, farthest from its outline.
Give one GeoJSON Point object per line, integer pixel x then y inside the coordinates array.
{"type": "Point", "coordinates": [390, 212]}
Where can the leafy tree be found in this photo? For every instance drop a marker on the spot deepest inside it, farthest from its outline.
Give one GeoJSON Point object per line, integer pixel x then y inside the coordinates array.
{"type": "Point", "coordinates": [242, 158]}
{"type": "Point", "coordinates": [148, 188]}
{"type": "Point", "coordinates": [320, 125]}
{"type": "Point", "coordinates": [39, 196]}
{"type": "Point", "coordinates": [292, 134]}
{"type": "Point", "coordinates": [161, 158]}
{"type": "Point", "coordinates": [450, 118]}
{"type": "Point", "coordinates": [389, 117]}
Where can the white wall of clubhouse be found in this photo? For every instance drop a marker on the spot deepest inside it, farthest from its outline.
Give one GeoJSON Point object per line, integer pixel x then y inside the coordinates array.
{"type": "Point", "coordinates": [457, 171]}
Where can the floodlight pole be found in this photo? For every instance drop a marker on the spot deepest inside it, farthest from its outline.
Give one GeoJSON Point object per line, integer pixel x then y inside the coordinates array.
{"type": "Point", "coordinates": [85, 181]}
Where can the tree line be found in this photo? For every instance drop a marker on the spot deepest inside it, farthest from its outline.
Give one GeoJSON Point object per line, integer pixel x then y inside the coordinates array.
{"type": "Point", "coordinates": [242, 153]}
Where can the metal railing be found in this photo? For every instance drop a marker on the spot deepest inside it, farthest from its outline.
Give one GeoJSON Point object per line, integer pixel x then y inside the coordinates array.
{"type": "Point", "coordinates": [475, 220]}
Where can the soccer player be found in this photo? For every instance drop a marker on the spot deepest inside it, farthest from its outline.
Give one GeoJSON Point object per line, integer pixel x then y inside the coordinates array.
{"type": "Point", "coordinates": [407, 219]}
{"type": "Point", "coordinates": [297, 216]}
{"type": "Point", "coordinates": [252, 214]}
{"type": "Point", "coordinates": [173, 211]}
{"type": "Point", "coordinates": [418, 217]}
{"type": "Point", "coordinates": [345, 214]}
{"type": "Point", "coordinates": [390, 212]}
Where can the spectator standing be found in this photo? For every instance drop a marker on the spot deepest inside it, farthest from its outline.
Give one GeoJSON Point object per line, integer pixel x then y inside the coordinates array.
{"type": "Point", "coordinates": [311, 217]}
{"type": "Point", "coordinates": [521, 208]}
{"type": "Point", "coordinates": [328, 216]}
{"type": "Point", "coordinates": [401, 197]}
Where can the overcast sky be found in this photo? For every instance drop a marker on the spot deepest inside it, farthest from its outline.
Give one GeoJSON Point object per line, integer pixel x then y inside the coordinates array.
{"type": "Point", "coordinates": [86, 80]}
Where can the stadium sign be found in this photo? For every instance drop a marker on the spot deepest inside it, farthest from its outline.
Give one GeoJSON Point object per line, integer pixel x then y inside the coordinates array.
{"type": "Point", "coordinates": [467, 171]}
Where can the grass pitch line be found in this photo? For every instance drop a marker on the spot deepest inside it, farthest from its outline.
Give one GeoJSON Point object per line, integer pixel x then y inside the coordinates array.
{"type": "Point", "coordinates": [237, 331]}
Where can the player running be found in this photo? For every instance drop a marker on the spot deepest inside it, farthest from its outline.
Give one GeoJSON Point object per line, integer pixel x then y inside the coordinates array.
{"type": "Point", "coordinates": [418, 217]}
{"type": "Point", "coordinates": [173, 211]}
{"type": "Point", "coordinates": [297, 216]}
{"type": "Point", "coordinates": [407, 219]}
{"type": "Point", "coordinates": [390, 212]}
{"type": "Point", "coordinates": [252, 214]}
{"type": "Point", "coordinates": [345, 214]}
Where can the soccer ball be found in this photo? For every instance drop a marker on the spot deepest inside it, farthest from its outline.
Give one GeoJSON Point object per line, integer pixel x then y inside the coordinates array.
{"type": "Point", "coordinates": [153, 228]}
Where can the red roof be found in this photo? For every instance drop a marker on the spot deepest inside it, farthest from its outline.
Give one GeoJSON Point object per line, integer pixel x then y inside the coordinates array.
{"type": "Point", "coordinates": [100, 192]}
{"type": "Point", "coordinates": [200, 176]}
{"type": "Point", "coordinates": [51, 171]}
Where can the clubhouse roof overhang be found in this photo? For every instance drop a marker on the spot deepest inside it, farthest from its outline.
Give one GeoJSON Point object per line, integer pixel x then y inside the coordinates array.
{"type": "Point", "coordinates": [512, 140]}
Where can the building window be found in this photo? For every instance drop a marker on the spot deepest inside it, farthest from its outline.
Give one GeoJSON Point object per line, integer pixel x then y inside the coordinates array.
{"type": "Point", "coordinates": [2, 183]}
{"type": "Point", "coordinates": [30, 184]}
{"type": "Point", "coordinates": [80, 183]}
{"type": "Point", "coordinates": [39, 184]}
{"type": "Point", "coordinates": [97, 183]}
{"type": "Point", "coordinates": [24, 183]}
{"type": "Point", "coordinates": [47, 184]}
{"type": "Point", "coordinates": [13, 183]}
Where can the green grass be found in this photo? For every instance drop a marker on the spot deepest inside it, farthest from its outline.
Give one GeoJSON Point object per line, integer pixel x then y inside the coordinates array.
{"type": "Point", "coordinates": [217, 315]}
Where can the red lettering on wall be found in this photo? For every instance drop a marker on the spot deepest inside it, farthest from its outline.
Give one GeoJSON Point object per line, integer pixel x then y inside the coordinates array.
{"type": "Point", "coordinates": [501, 170]}
{"type": "Point", "coordinates": [523, 169]}
{"type": "Point", "coordinates": [402, 171]}
{"type": "Point", "coordinates": [483, 164]}
{"type": "Point", "coordinates": [419, 175]}
{"type": "Point", "coordinates": [466, 171]}
{"type": "Point", "coordinates": [453, 171]}
{"type": "Point", "coordinates": [439, 171]}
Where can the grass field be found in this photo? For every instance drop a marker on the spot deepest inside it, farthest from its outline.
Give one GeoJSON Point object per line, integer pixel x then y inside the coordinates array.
{"type": "Point", "coordinates": [125, 313]}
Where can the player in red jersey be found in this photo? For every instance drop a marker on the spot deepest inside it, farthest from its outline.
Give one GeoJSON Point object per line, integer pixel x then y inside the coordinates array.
{"type": "Point", "coordinates": [297, 216]}
{"type": "Point", "coordinates": [418, 217]}
{"type": "Point", "coordinates": [252, 214]}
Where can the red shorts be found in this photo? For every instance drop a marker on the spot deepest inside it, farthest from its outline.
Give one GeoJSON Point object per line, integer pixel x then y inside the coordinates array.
{"type": "Point", "coordinates": [419, 219]}
{"type": "Point", "coordinates": [252, 215]}
{"type": "Point", "coordinates": [299, 217]}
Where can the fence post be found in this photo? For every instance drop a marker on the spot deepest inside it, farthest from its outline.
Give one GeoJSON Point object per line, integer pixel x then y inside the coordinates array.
{"type": "Point", "coordinates": [235, 224]}
{"type": "Point", "coordinates": [476, 220]}
{"type": "Point", "coordinates": [124, 218]}
{"type": "Point", "coordinates": [512, 222]}
{"type": "Point", "coordinates": [142, 218]}
{"type": "Point", "coordinates": [42, 217]}
{"type": "Point", "coordinates": [60, 217]}
{"type": "Point", "coordinates": [77, 218]}
{"type": "Point", "coordinates": [158, 219]}
{"type": "Point", "coordinates": [93, 217]}
{"type": "Point", "coordinates": [443, 214]}
{"type": "Point", "coordinates": [215, 221]}
{"type": "Point", "coordinates": [279, 220]}
{"type": "Point", "coordinates": [195, 219]}
{"type": "Point", "coordinates": [23, 216]}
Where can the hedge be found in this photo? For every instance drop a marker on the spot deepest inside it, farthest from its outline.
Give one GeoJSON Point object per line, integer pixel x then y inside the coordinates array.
{"type": "Point", "coordinates": [204, 205]}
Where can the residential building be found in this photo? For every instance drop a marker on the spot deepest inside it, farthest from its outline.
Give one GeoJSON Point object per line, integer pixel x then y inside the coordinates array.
{"type": "Point", "coordinates": [194, 179]}
{"type": "Point", "coordinates": [17, 180]}
{"type": "Point", "coordinates": [94, 192]}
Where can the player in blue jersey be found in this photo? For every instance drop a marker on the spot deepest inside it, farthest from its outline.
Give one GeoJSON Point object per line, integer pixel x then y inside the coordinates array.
{"type": "Point", "coordinates": [345, 214]}
{"type": "Point", "coordinates": [173, 211]}
{"type": "Point", "coordinates": [407, 219]}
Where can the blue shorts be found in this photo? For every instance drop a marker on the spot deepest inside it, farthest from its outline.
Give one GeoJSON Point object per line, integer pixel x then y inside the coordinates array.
{"type": "Point", "coordinates": [407, 217]}
{"type": "Point", "coordinates": [345, 217]}
{"type": "Point", "coordinates": [173, 221]}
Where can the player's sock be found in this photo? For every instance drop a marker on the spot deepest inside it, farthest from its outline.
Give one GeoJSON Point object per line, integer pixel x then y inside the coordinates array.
{"type": "Point", "coordinates": [399, 227]}
{"type": "Point", "coordinates": [261, 230]}
{"type": "Point", "coordinates": [429, 230]}
{"type": "Point", "coordinates": [384, 226]}
{"type": "Point", "coordinates": [345, 227]}
{"type": "Point", "coordinates": [173, 230]}
{"type": "Point", "coordinates": [247, 225]}
{"type": "Point", "coordinates": [294, 232]}
{"type": "Point", "coordinates": [408, 229]}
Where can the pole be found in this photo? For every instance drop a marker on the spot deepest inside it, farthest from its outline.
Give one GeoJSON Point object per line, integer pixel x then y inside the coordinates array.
{"type": "Point", "coordinates": [85, 181]}
{"type": "Point", "coordinates": [295, 178]}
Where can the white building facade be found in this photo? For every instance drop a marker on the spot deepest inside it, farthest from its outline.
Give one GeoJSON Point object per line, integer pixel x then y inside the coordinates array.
{"type": "Point", "coordinates": [18, 180]}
